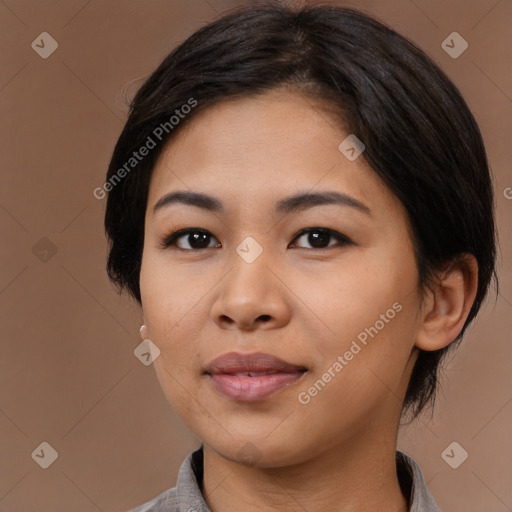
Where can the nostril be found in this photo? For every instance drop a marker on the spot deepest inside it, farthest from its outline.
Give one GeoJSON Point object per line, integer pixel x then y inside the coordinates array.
{"type": "Point", "coordinates": [226, 319]}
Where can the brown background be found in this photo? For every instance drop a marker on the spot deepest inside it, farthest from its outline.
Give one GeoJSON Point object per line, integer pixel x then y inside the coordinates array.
{"type": "Point", "coordinates": [68, 375]}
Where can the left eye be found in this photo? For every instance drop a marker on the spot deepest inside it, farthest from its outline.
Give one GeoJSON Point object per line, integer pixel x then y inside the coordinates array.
{"type": "Point", "coordinates": [319, 237]}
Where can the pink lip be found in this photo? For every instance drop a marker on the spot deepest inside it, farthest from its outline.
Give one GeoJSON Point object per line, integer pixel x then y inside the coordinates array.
{"type": "Point", "coordinates": [251, 388]}
{"type": "Point", "coordinates": [235, 362]}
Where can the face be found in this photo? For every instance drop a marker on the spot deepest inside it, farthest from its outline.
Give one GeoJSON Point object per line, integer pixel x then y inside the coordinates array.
{"type": "Point", "coordinates": [326, 284]}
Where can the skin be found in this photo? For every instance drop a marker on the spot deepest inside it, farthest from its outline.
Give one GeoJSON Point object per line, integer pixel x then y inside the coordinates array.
{"type": "Point", "coordinates": [335, 453]}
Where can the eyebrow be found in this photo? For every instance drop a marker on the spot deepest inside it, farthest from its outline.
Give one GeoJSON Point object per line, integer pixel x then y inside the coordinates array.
{"type": "Point", "coordinates": [295, 203]}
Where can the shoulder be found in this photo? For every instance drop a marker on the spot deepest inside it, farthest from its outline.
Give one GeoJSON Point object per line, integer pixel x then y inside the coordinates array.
{"type": "Point", "coordinates": [186, 495]}
{"type": "Point", "coordinates": [164, 502]}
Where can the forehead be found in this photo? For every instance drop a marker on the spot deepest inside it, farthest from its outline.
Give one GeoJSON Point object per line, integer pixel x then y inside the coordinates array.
{"type": "Point", "coordinates": [265, 147]}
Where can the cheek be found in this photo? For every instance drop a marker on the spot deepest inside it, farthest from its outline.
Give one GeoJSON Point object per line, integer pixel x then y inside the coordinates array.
{"type": "Point", "coordinates": [168, 300]}
{"type": "Point", "coordinates": [350, 297]}
{"type": "Point", "coordinates": [368, 313]}
{"type": "Point", "coordinates": [355, 380]}
{"type": "Point", "coordinates": [174, 310]}
{"type": "Point", "coordinates": [164, 320]}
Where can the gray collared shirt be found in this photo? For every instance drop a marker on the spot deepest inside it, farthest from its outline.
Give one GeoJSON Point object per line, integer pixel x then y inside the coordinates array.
{"type": "Point", "coordinates": [187, 496]}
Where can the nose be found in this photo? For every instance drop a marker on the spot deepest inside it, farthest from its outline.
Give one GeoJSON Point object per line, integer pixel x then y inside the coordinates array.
{"type": "Point", "coordinates": [251, 296]}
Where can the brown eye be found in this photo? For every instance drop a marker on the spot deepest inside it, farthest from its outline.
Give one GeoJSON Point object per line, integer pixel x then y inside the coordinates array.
{"type": "Point", "coordinates": [320, 238]}
{"type": "Point", "coordinates": [190, 239]}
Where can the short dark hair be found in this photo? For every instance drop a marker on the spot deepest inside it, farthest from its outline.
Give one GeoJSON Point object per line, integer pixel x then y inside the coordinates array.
{"type": "Point", "coordinates": [420, 136]}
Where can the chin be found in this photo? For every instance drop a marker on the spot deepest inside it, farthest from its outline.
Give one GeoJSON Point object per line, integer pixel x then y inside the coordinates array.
{"type": "Point", "coordinates": [259, 451]}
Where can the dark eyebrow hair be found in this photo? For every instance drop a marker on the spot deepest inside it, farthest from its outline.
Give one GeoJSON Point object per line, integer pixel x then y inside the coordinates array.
{"type": "Point", "coordinates": [306, 200]}
{"type": "Point", "coordinates": [287, 205]}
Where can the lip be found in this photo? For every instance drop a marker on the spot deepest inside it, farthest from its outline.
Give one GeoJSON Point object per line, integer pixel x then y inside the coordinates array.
{"type": "Point", "coordinates": [236, 362]}
{"type": "Point", "coordinates": [222, 373]}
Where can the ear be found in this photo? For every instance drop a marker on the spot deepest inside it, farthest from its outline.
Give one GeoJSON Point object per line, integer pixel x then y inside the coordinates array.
{"type": "Point", "coordinates": [447, 306]}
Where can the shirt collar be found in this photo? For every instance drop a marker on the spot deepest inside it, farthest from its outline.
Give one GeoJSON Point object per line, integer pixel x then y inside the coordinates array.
{"type": "Point", "coordinates": [190, 476]}
{"type": "Point", "coordinates": [421, 499]}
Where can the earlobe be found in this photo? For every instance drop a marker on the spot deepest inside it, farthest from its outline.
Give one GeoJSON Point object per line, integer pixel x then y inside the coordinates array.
{"type": "Point", "coordinates": [446, 308]}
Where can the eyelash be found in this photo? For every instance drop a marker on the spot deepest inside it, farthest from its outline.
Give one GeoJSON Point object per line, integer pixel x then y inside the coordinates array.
{"type": "Point", "coordinates": [170, 240]}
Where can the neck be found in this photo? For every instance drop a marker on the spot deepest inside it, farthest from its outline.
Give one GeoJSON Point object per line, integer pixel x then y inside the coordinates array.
{"type": "Point", "coordinates": [356, 476]}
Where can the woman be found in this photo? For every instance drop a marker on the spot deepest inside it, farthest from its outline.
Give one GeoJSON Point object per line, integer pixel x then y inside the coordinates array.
{"type": "Point", "coordinates": [301, 203]}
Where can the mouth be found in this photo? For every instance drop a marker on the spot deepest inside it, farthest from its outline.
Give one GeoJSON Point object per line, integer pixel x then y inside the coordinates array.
{"type": "Point", "coordinates": [251, 377]}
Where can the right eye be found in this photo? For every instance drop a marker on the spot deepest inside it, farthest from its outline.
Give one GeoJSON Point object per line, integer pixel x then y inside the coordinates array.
{"type": "Point", "coordinates": [196, 238]}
